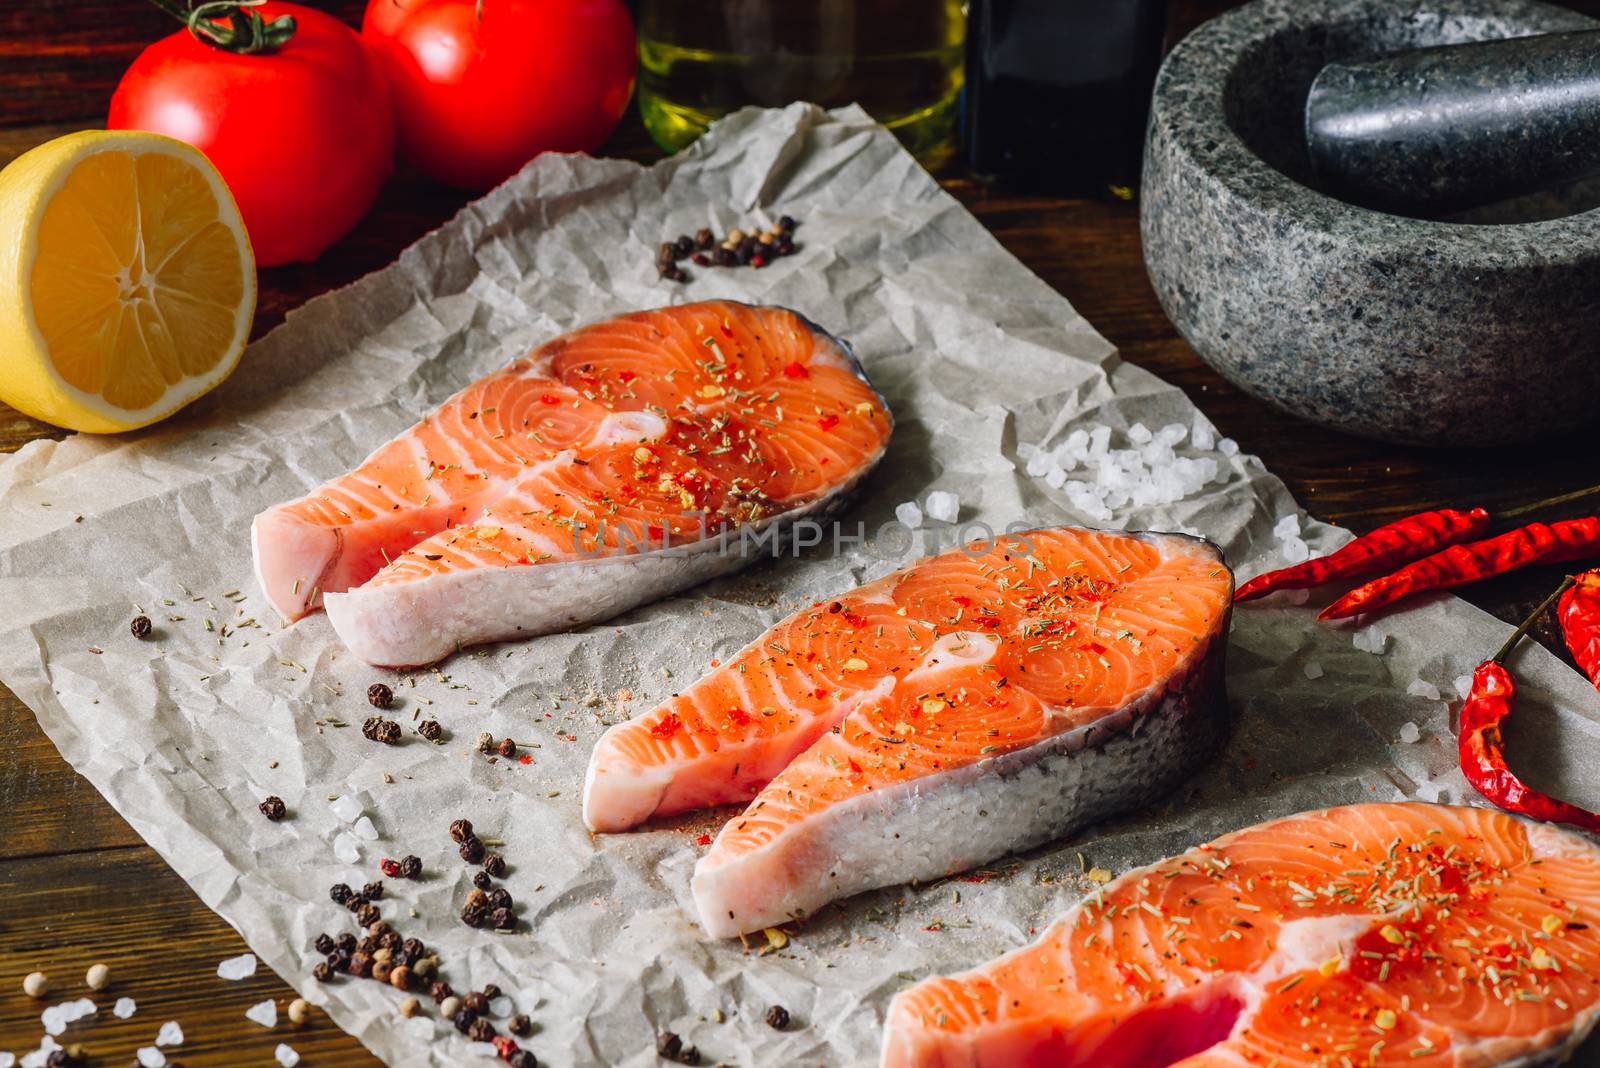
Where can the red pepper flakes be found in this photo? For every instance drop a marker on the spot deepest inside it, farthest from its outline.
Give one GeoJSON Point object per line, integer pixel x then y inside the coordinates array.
{"type": "Point", "coordinates": [704, 839]}
{"type": "Point", "coordinates": [796, 369]}
{"type": "Point", "coordinates": [855, 769]}
{"type": "Point", "coordinates": [715, 662]}
{"type": "Point", "coordinates": [667, 726]}
{"type": "Point", "coordinates": [828, 422]}
{"type": "Point", "coordinates": [821, 692]}
{"type": "Point", "coordinates": [549, 398]}
{"type": "Point", "coordinates": [854, 620]}
{"type": "Point", "coordinates": [739, 716]}
{"type": "Point", "coordinates": [626, 376]}
{"type": "Point", "coordinates": [987, 621]}
{"type": "Point", "coordinates": [525, 759]}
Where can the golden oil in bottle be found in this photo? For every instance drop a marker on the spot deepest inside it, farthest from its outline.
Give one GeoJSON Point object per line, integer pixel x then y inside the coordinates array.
{"type": "Point", "coordinates": [901, 60]}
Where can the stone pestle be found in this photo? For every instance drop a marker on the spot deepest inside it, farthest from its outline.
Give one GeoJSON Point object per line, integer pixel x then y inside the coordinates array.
{"type": "Point", "coordinates": [1436, 131]}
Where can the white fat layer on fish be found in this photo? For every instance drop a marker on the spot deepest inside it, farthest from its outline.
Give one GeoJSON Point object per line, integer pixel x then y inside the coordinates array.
{"type": "Point", "coordinates": [621, 427]}
{"type": "Point", "coordinates": [924, 829]}
{"type": "Point", "coordinates": [408, 623]}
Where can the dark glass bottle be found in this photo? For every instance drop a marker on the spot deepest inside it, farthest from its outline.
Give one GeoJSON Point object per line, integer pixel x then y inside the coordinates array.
{"type": "Point", "coordinates": [1058, 92]}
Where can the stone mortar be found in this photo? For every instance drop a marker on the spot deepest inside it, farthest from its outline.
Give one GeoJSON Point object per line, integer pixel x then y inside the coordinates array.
{"type": "Point", "coordinates": [1405, 330]}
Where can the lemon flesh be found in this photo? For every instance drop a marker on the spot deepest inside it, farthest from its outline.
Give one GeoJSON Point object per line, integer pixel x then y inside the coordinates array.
{"type": "Point", "coordinates": [127, 284]}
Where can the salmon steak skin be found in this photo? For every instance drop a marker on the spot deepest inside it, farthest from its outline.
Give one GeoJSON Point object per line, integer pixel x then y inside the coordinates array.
{"type": "Point", "coordinates": [976, 703]}
{"type": "Point", "coordinates": [1373, 935]}
{"type": "Point", "coordinates": [614, 465]}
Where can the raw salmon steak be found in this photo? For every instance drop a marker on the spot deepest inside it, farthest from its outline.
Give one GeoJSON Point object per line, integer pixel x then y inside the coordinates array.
{"type": "Point", "coordinates": [1374, 935]}
{"type": "Point", "coordinates": [606, 469]}
{"type": "Point", "coordinates": [973, 704]}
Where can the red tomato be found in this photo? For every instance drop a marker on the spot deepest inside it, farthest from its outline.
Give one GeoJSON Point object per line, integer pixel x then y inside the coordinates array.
{"type": "Point", "coordinates": [478, 92]}
{"type": "Point", "coordinates": [304, 136]}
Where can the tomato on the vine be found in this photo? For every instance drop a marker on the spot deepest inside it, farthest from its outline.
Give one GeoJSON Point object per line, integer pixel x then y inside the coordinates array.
{"type": "Point", "coordinates": [483, 86]}
{"type": "Point", "coordinates": [293, 112]}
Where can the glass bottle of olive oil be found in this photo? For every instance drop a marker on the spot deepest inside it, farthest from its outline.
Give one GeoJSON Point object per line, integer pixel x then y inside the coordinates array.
{"type": "Point", "coordinates": [901, 60]}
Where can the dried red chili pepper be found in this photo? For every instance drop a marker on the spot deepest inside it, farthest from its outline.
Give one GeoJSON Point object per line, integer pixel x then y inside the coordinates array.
{"type": "Point", "coordinates": [1382, 550]}
{"type": "Point", "coordinates": [1579, 613]}
{"type": "Point", "coordinates": [1536, 543]}
{"type": "Point", "coordinates": [1482, 748]}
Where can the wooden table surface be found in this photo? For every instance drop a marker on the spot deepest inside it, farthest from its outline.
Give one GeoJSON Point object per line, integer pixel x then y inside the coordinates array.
{"type": "Point", "coordinates": [78, 886]}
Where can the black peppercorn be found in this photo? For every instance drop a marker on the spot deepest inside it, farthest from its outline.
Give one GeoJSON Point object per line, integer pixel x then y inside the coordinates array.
{"type": "Point", "coordinates": [339, 892]}
{"type": "Point", "coordinates": [508, 748]}
{"type": "Point", "coordinates": [140, 626]}
{"type": "Point", "coordinates": [481, 1030]}
{"type": "Point", "coordinates": [379, 729]}
{"type": "Point", "coordinates": [777, 1017]}
{"type": "Point", "coordinates": [368, 945]}
{"type": "Point", "coordinates": [360, 965]}
{"type": "Point", "coordinates": [346, 942]}
{"type": "Point", "coordinates": [491, 991]}
{"type": "Point", "coordinates": [461, 830]}
{"type": "Point", "coordinates": [430, 729]}
{"type": "Point", "coordinates": [522, 1059]}
{"type": "Point", "coordinates": [786, 224]}
{"type": "Point", "coordinates": [373, 891]}
{"type": "Point", "coordinates": [727, 257]}
{"type": "Point", "coordinates": [520, 1025]}
{"type": "Point", "coordinates": [666, 254]}
{"type": "Point", "coordinates": [500, 898]}
{"type": "Point", "coordinates": [368, 915]}
{"type": "Point", "coordinates": [379, 695]}
{"type": "Point", "coordinates": [474, 915]}
{"type": "Point", "coordinates": [481, 880]}
{"type": "Point", "coordinates": [472, 850]}
{"type": "Point", "coordinates": [476, 1002]}
{"type": "Point", "coordinates": [673, 273]}
{"type": "Point", "coordinates": [339, 960]}
{"type": "Point", "coordinates": [683, 246]}
{"type": "Point", "coordinates": [273, 808]}
{"type": "Point", "coordinates": [668, 1045]}
{"type": "Point", "coordinates": [704, 238]}
{"type": "Point", "coordinates": [411, 867]}
{"type": "Point", "coordinates": [413, 948]}
{"type": "Point", "coordinates": [495, 865]}
{"type": "Point", "coordinates": [355, 902]}
{"type": "Point", "coordinates": [391, 941]}
{"type": "Point", "coordinates": [439, 991]}
{"type": "Point", "coordinates": [503, 919]}
{"type": "Point", "coordinates": [463, 1019]}
{"type": "Point", "coordinates": [324, 944]}
{"type": "Point", "coordinates": [322, 973]}
{"type": "Point", "coordinates": [784, 247]}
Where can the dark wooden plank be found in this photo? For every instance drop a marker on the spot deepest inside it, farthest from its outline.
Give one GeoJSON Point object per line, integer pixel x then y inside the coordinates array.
{"type": "Point", "coordinates": [128, 910]}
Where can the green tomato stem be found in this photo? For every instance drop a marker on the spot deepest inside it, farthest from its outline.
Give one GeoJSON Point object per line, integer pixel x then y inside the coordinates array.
{"type": "Point", "coordinates": [232, 25]}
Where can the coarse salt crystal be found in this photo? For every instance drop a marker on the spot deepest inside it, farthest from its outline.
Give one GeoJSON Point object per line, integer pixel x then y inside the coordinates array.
{"type": "Point", "coordinates": [502, 1006]}
{"type": "Point", "coordinates": [1037, 465]}
{"type": "Point", "coordinates": [1287, 527]}
{"type": "Point", "coordinates": [1295, 550]}
{"type": "Point", "coordinates": [1172, 433]}
{"type": "Point", "coordinates": [346, 808]}
{"type": "Point", "coordinates": [1463, 685]}
{"type": "Point", "coordinates": [264, 1013]}
{"type": "Point", "coordinates": [1056, 478]}
{"type": "Point", "coordinates": [1228, 447]}
{"type": "Point", "coordinates": [1370, 641]}
{"type": "Point", "coordinates": [1409, 732]}
{"type": "Point", "coordinates": [365, 829]}
{"type": "Point", "coordinates": [53, 1020]}
{"type": "Point", "coordinates": [1421, 688]}
{"type": "Point", "coordinates": [7, 1060]}
{"type": "Point", "coordinates": [1099, 441]}
{"type": "Point", "coordinates": [150, 1057]}
{"type": "Point", "coordinates": [171, 1034]}
{"type": "Point", "coordinates": [286, 1055]}
{"type": "Point", "coordinates": [1202, 435]}
{"type": "Point", "coordinates": [124, 1008]}
{"type": "Point", "coordinates": [1427, 791]}
{"type": "Point", "coordinates": [1314, 670]}
{"type": "Point", "coordinates": [910, 515]}
{"type": "Point", "coordinates": [235, 968]}
{"type": "Point", "coordinates": [346, 848]}
{"type": "Point", "coordinates": [1139, 434]}
{"type": "Point", "coordinates": [943, 506]}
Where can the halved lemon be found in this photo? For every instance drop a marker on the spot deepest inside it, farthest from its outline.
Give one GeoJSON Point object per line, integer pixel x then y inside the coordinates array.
{"type": "Point", "coordinates": [127, 283]}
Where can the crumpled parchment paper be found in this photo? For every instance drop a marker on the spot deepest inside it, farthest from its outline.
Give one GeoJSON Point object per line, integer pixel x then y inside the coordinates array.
{"type": "Point", "coordinates": [186, 734]}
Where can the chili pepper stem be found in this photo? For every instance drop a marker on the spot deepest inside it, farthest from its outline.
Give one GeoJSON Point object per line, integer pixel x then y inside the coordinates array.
{"type": "Point", "coordinates": [1527, 624]}
{"type": "Point", "coordinates": [1548, 502]}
